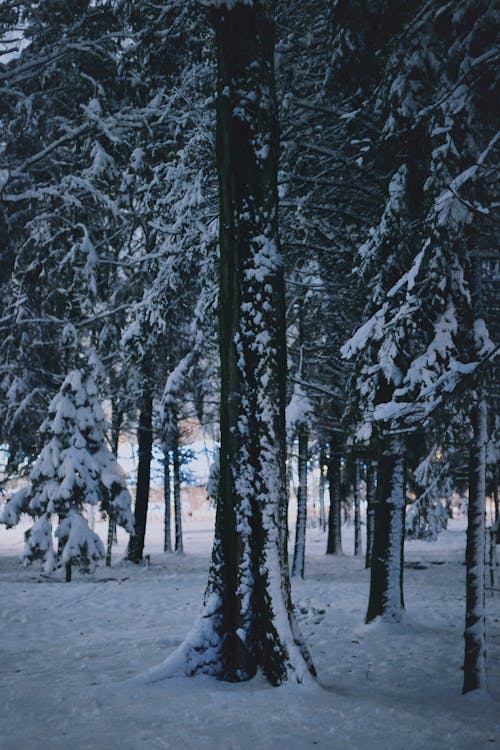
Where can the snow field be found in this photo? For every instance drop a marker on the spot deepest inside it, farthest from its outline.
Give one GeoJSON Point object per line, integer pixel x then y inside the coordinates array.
{"type": "Point", "coordinates": [70, 653]}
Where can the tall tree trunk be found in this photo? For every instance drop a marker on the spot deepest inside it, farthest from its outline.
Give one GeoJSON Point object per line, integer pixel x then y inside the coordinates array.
{"type": "Point", "coordinates": [475, 648]}
{"type": "Point", "coordinates": [177, 494]}
{"type": "Point", "coordinates": [145, 447]}
{"type": "Point", "coordinates": [167, 535]}
{"type": "Point", "coordinates": [116, 423]}
{"type": "Point", "coordinates": [386, 580]}
{"type": "Point", "coordinates": [322, 468]}
{"type": "Point", "coordinates": [247, 621]}
{"type": "Point", "coordinates": [475, 644]}
{"type": "Point", "coordinates": [370, 510]}
{"type": "Point", "coordinates": [357, 509]}
{"type": "Point", "coordinates": [334, 541]}
{"type": "Point", "coordinates": [300, 529]}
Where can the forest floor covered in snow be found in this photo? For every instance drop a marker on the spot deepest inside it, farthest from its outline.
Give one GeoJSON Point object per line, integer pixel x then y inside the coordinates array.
{"type": "Point", "coordinates": [69, 653]}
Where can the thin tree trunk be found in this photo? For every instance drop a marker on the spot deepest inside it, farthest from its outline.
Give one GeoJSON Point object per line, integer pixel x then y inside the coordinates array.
{"type": "Point", "coordinates": [334, 541]}
{"type": "Point", "coordinates": [386, 580]}
{"type": "Point", "coordinates": [247, 622]}
{"type": "Point", "coordinates": [116, 423]}
{"type": "Point", "coordinates": [68, 571]}
{"type": "Point", "coordinates": [300, 529]}
{"type": "Point", "coordinates": [495, 491]}
{"type": "Point", "coordinates": [167, 535]}
{"type": "Point", "coordinates": [357, 509]}
{"type": "Point", "coordinates": [370, 510]}
{"type": "Point", "coordinates": [145, 447]}
{"type": "Point", "coordinates": [322, 483]}
{"type": "Point", "coordinates": [475, 642]}
{"type": "Point", "coordinates": [475, 648]}
{"type": "Point", "coordinates": [177, 495]}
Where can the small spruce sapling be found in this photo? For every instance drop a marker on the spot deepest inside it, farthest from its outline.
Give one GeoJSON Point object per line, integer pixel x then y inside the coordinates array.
{"type": "Point", "coordinates": [75, 467]}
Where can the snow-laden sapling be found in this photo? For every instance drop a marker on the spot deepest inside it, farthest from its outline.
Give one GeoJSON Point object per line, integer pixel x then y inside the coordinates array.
{"type": "Point", "coordinates": [75, 468]}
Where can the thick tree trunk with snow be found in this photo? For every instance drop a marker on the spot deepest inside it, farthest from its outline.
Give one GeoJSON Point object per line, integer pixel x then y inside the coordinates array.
{"type": "Point", "coordinates": [247, 622]}
{"type": "Point", "coordinates": [167, 534]}
{"type": "Point", "coordinates": [370, 510]}
{"type": "Point", "coordinates": [357, 508]}
{"type": "Point", "coordinates": [145, 447]}
{"type": "Point", "coordinates": [334, 541]}
{"type": "Point", "coordinates": [300, 530]}
{"type": "Point", "coordinates": [177, 494]}
{"type": "Point", "coordinates": [386, 580]}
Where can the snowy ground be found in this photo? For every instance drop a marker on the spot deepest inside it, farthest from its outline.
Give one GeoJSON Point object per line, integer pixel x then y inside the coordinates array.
{"type": "Point", "coordinates": [68, 652]}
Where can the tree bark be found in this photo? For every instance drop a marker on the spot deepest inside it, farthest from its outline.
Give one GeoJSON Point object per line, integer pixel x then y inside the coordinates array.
{"type": "Point", "coordinates": [386, 580]}
{"type": "Point", "coordinates": [475, 642]}
{"type": "Point", "coordinates": [323, 466]}
{"type": "Point", "coordinates": [300, 529]}
{"type": "Point", "coordinates": [357, 509]}
{"type": "Point", "coordinates": [334, 541]}
{"type": "Point", "coordinates": [145, 447]}
{"type": "Point", "coordinates": [177, 493]}
{"type": "Point", "coordinates": [247, 621]}
{"type": "Point", "coordinates": [475, 648]}
{"type": "Point", "coordinates": [495, 492]}
{"type": "Point", "coordinates": [167, 535]}
{"type": "Point", "coordinates": [116, 422]}
{"type": "Point", "coordinates": [370, 510]}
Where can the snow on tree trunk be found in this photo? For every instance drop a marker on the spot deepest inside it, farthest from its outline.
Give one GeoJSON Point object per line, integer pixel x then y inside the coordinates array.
{"type": "Point", "coordinates": [334, 541]}
{"type": "Point", "coordinates": [370, 510]}
{"type": "Point", "coordinates": [300, 530]}
{"type": "Point", "coordinates": [357, 509]}
{"type": "Point", "coordinates": [167, 537]}
{"type": "Point", "coordinates": [247, 622]}
{"type": "Point", "coordinates": [145, 447]}
{"type": "Point", "coordinates": [177, 495]}
{"type": "Point", "coordinates": [386, 580]}
{"type": "Point", "coordinates": [475, 648]}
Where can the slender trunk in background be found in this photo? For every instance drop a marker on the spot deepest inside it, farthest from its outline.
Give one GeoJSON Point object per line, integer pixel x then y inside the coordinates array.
{"type": "Point", "coordinates": [386, 579]}
{"type": "Point", "coordinates": [247, 622]}
{"type": "Point", "coordinates": [116, 423]}
{"type": "Point", "coordinates": [495, 491]}
{"type": "Point", "coordinates": [334, 542]}
{"type": "Point", "coordinates": [323, 466]}
{"type": "Point", "coordinates": [167, 535]}
{"type": "Point", "coordinates": [145, 447]}
{"type": "Point", "coordinates": [475, 642]}
{"type": "Point", "coordinates": [177, 493]}
{"type": "Point", "coordinates": [475, 646]}
{"type": "Point", "coordinates": [357, 509]}
{"type": "Point", "coordinates": [300, 530]}
{"type": "Point", "coordinates": [371, 469]}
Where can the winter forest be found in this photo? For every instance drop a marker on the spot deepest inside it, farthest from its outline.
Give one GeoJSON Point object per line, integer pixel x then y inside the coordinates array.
{"type": "Point", "coordinates": [249, 318]}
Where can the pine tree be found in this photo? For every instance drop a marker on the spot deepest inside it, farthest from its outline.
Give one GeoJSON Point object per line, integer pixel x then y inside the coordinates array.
{"type": "Point", "coordinates": [75, 468]}
{"type": "Point", "coordinates": [247, 621]}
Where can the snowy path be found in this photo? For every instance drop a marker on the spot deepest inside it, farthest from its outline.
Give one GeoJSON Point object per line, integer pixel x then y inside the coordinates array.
{"type": "Point", "coordinates": [68, 650]}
